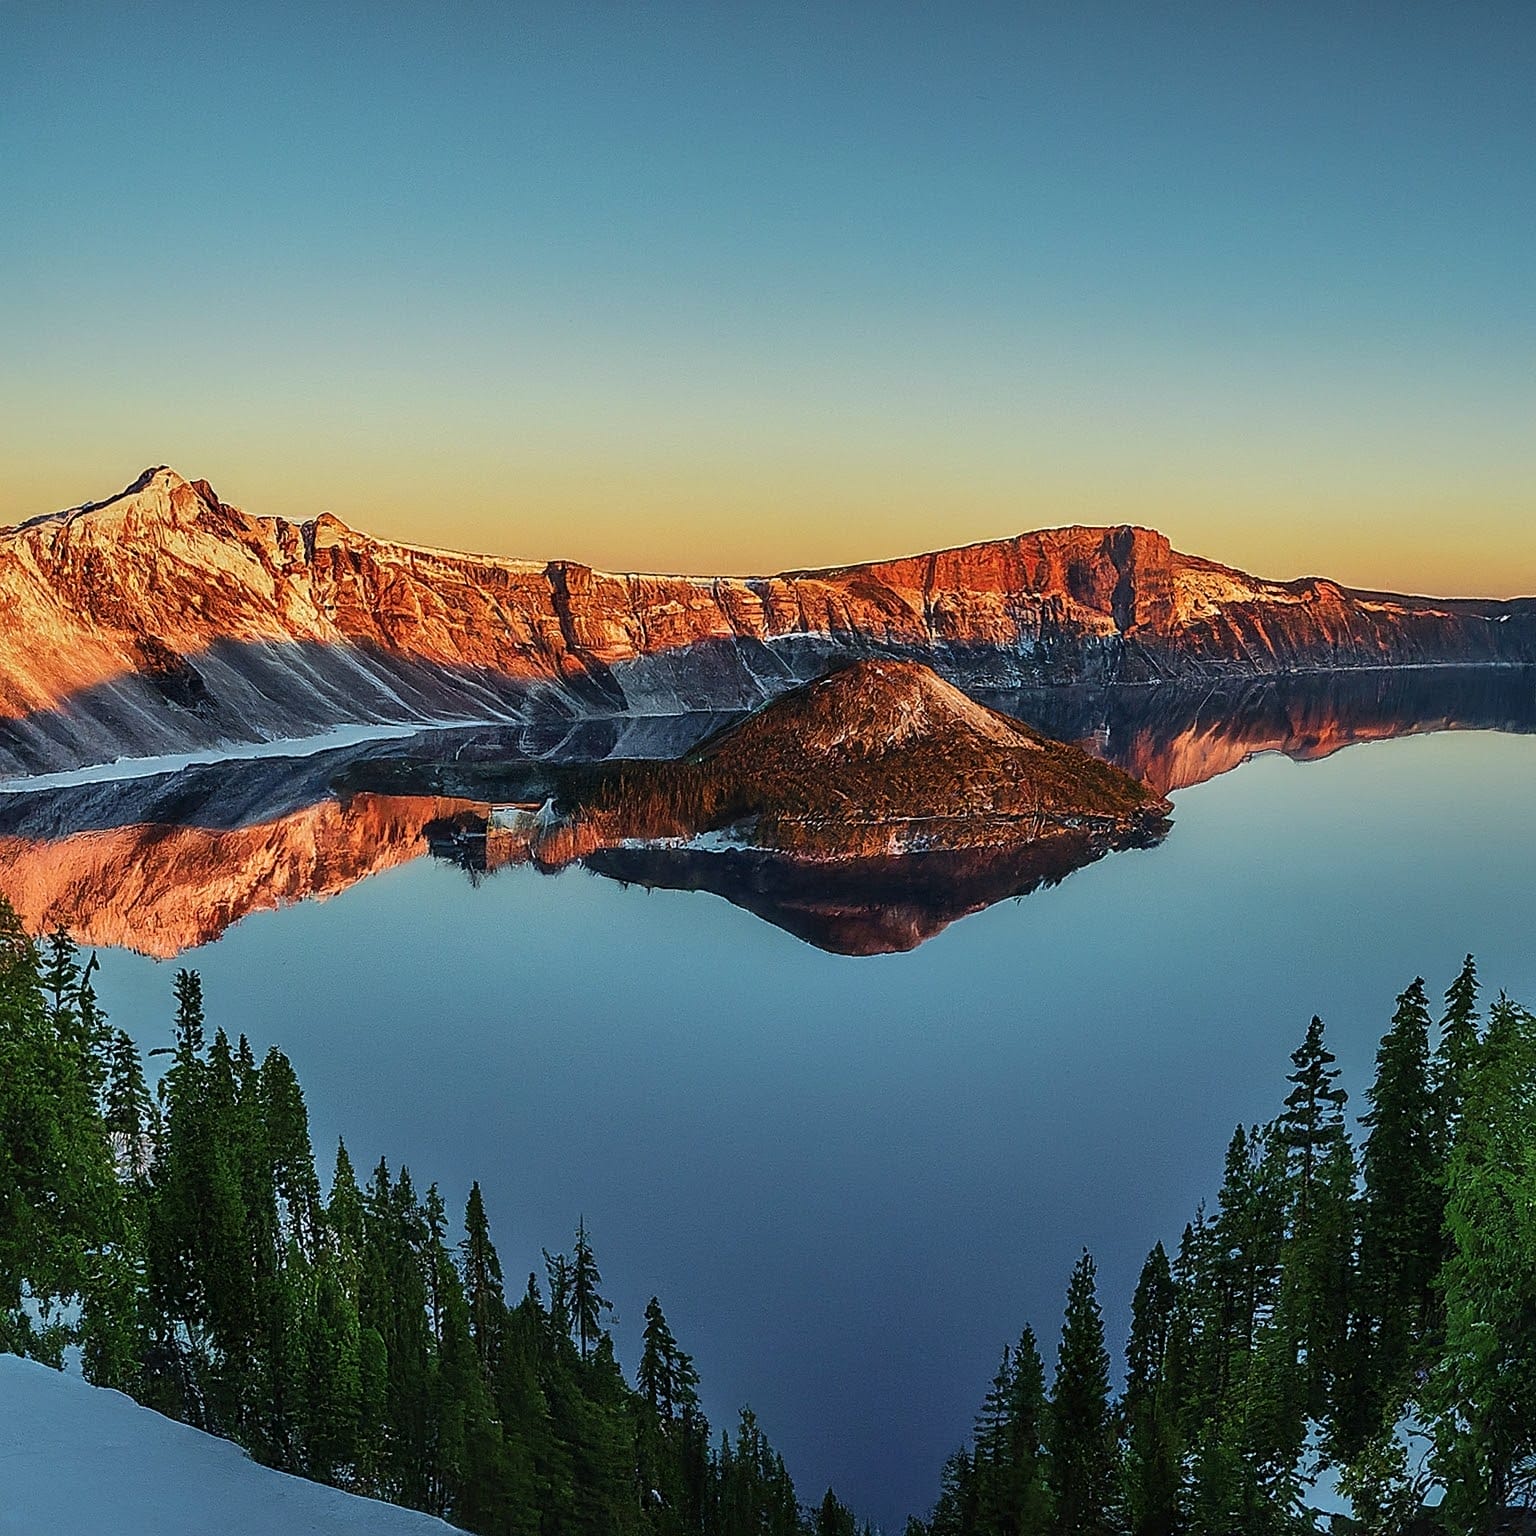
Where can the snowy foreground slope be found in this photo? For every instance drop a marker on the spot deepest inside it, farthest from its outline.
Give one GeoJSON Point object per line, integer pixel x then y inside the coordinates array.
{"type": "Point", "coordinates": [77, 1460]}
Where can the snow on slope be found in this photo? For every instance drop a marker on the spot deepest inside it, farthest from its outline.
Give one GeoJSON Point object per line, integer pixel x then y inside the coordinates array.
{"type": "Point", "coordinates": [78, 1460]}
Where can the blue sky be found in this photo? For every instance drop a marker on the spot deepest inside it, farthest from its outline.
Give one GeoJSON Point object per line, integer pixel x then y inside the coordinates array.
{"type": "Point", "coordinates": [739, 287]}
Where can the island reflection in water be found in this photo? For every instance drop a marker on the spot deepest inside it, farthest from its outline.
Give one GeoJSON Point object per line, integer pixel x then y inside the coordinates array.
{"type": "Point", "coordinates": [165, 864]}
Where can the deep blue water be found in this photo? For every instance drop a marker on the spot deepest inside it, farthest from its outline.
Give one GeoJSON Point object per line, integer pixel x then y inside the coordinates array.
{"type": "Point", "coordinates": [852, 1180]}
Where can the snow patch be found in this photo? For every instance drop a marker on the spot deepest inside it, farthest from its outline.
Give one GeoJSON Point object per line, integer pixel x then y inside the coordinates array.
{"type": "Point", "coordinates": [1199, 593]}
{"type": "Point", "coordinates": [78, 1460]}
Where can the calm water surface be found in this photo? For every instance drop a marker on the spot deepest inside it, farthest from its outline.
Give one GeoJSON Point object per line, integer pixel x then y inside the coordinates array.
{"type": "Point", "coordinates": [852, 1180]}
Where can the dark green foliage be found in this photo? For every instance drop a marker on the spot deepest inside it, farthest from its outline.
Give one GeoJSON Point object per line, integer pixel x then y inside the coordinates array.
{"type": "Point", "coordinates": [347, 1336]}
{"type": "Point", "coordinates": [1482, 1388]}
{"type": "Point", "coordinates": [587, 1304]}
{"type": "Point", "coordinates": [483, 1293]}
{"type": "Point", "coordinates": [1079, 1443]}
{"type": "Point", "coordinates": [1402, 1204]}
{"type": "Point", "coordinates": [1457, 1051]}
{"type": "Point", "coordinates": [1323, 1297]}
{"type": "Point", "coordinates": [184, 1243]}
{"type": "Point", "coordinates": [61, 1210]}
{"type": "Point", "coordinates": [1152, 1442]}
{"type": "Point", "coordinates": [834, 1518]}
{"type": "Point", "coordinates": [1318, 1274]}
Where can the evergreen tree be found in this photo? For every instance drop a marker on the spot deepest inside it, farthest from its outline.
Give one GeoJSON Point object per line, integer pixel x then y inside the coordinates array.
{"type": "Point", "coordinates": [1482, 1391]}
{"type": "Point", "coordinates": [955, 1512]}
{"type": "Point", "coordinates": [1027, 1412]}
{"type": "Point", "coordinates": [1148, 1409]}
{"type": "Point", "coordinates": [285, 1131]}
{"type": "Point", "coordinates": [1400, 1241]}
{"type": "Point", "coordinates": [992, 1454]}
{"type": "Point", "coordinates": [1319, 1252]}
{"type": "Point", "coordinates": [833, 1518]}
{"type": "Point", "coordinates": [587, 1304]}
{"type": "Point", "coordinates": [1079, 1439]}
{"type": "Point", "coordinates": [60, 1211]}
{"type": "Point", "coordinates": [483, 1291]}
{"type": "Point", "coordinates": [557, 1268]}
{"type": "Point", "coordinates": [129, 1111]}
{"type": "Point", "coordinates": [1456, 1052]}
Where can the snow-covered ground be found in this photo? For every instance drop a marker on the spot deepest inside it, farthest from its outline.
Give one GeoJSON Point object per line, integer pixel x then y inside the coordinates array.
{"type": "Point", "coordinates": [77, 1460]}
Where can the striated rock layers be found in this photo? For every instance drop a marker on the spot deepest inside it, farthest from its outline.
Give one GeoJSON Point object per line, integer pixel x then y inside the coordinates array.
{"type": "Point", "coordinates": [163, 620]}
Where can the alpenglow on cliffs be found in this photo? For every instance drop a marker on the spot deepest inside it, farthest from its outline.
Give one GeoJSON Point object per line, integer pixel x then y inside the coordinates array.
{"type": "Point", "coordinates": [163, 620]}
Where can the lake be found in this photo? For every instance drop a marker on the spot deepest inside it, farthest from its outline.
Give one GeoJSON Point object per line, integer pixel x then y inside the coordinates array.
{"type": "Point", "coordinates": [849, 1180]}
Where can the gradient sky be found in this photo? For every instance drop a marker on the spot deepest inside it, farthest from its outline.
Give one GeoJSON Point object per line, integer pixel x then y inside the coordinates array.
{"type": "Point", "coordinates": [740, 287]}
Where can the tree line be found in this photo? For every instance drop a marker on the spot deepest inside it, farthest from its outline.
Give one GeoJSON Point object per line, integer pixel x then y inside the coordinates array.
{"type": "Point", "coordinates": [1361, 1313]}
{"type": "Point", "coordinates": [1364, 1315]}
{"type": "Point", "coordinates": [180, 1244]}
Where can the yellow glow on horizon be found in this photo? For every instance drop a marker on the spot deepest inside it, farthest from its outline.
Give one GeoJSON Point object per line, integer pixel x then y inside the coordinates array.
{"type": "Point", "coordinates": [756, 519]}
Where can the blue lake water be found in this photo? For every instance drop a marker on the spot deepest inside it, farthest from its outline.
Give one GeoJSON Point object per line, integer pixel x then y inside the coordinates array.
{"type": "Point", "coordinates": [852, 1180]}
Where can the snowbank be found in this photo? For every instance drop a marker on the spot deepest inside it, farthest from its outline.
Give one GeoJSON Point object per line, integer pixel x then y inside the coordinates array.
{"type": "Point", "coordinates": [78, 1460]}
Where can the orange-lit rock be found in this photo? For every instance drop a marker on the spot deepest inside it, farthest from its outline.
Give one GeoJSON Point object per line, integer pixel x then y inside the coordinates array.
{"type": "Point", "coordinates": [163, 619]}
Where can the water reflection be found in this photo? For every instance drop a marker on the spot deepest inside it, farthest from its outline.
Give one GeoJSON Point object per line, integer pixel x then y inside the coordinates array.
{"type": "Point", "coordinates": [165, 864]}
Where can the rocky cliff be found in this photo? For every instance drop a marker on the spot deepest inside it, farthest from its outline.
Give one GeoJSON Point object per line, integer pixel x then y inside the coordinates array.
{"type": "Point", "coordinates": [163, 619]}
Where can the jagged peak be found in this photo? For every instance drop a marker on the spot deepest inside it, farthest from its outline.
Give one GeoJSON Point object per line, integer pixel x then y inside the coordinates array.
{"type": "Point", "coordinates": [159, 495]}
{"type": "Point", "coordinates": [159, 480]}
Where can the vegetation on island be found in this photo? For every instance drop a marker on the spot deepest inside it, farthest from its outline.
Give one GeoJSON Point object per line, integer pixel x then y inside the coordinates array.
{"type": "Point", "coordinates": [876, 758]}
{"type": "Point", "coordinates": [1356, 1316]}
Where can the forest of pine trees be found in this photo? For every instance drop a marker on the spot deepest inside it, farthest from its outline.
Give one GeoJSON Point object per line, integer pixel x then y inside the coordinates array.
{"type": "Point", "coordinates": [1357, 1316]}
{"type": "Point", "coordinates": [1361, 1318]}
{"type": "Point", "coordinates": [182, 1244]}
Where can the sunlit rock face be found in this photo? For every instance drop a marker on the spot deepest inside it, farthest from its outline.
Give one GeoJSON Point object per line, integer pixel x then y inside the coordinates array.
{"type": "Point", "coordinates": [163, 619]}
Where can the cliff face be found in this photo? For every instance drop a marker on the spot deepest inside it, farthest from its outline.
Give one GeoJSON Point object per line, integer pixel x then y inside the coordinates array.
{"type": "Point", "coordinates": [162, 620]}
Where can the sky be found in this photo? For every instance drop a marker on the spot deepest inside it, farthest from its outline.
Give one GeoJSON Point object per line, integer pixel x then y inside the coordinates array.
{"type": "Point", "coordinates": [742, 287]}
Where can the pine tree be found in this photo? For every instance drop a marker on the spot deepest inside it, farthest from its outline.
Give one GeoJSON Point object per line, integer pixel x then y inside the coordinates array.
{"type": "Point", "coordinates": [285, 1130]}
{"type": "Point", "coordinates": [1400, 1241]}
{"type": "Point", "coordinates": [1027, 1412]}
{"type": "Point", "coordinates": [60, 1210]}
{"type": "Point", "coordinates": [1482, 1391]}
{"type": "Point", "coordinates": [1079, 1440]}
{"type": "Point", "coordinates": [658, 1375]}
{"type": "Point", "coordinates": [1319, 1252]}
{"type": "Point", "coordinates": [557, 1268]}
{"type": "Point", "coordinates": [1148, 1409]}
{"type": "Point", "coordinates": [483, 1292]}
{"type": "Point", "coordinates": [587, 1304]}
{"type": "Point", "coordinates": [992, 1454]}
{"type": "Point", "coordinates": [833, 1518]}
{"type": "Point", "coordinates": [129, 1110]}
{"type": "Point", "coordinates": [1455, 1054]}
{"type": "Point", "coordinates": [955, 1512]}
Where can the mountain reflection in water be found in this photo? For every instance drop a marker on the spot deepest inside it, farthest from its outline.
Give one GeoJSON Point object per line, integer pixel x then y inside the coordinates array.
{"type": "Point", "coordinates": [167, 863]}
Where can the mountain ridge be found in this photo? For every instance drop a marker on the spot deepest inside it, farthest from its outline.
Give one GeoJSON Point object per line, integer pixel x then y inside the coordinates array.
{"type": "Point", "coordinates": [164, 619]}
